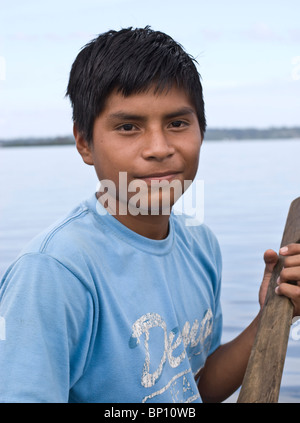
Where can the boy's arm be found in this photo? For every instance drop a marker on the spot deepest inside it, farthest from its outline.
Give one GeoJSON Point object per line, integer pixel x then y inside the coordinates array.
{"type": "Point", "coordinates": [224, 369]}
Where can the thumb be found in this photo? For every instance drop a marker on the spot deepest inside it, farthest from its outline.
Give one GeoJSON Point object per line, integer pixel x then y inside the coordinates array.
{"type": "Point", "coordinates": [270, 258]}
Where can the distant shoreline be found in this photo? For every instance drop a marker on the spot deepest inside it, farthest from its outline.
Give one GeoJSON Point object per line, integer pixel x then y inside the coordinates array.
{"type": "Point", "coordinates": [213, 134]}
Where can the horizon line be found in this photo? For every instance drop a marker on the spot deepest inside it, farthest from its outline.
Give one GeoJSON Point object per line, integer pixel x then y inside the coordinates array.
{"type": "Point", "coordinates": [224, 129]}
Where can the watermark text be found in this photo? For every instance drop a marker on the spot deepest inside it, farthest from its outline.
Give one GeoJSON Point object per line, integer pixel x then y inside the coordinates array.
{"type": "Point", "coordinates": [138, 197]}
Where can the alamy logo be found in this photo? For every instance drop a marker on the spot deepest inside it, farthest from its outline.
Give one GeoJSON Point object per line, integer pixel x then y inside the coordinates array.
{"type": "Point", "coordinates": [2, 329]}
{"type": "Point", "coordinates": [139, 198]}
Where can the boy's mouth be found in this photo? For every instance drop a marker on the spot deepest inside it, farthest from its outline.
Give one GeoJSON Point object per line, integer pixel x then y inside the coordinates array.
{"type": "Point", "coordinates": [159, 176]}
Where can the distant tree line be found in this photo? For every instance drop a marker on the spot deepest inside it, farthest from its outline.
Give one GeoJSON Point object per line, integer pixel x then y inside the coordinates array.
{"type": "Point", "coordinates": [252, 133]}
{"type": "Point", "coordinates": [31, 142]}
{"type": "Point", "coordinates": [212, 134]}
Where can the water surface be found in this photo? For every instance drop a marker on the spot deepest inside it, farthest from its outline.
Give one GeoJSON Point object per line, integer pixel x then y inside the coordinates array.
{"type": "Point", "coordinates": [248, 187]}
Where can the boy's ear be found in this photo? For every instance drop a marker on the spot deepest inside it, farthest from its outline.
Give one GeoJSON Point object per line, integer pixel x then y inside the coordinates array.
{"type": "Point", "coordinates": [83, 146]}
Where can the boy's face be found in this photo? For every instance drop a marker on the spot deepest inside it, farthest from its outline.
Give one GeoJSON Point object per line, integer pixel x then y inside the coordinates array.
{"type": "Point", "coordinates": [152, 137]}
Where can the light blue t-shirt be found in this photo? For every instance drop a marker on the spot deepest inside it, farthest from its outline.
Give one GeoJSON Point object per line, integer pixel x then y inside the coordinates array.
{"type": "Point", "coordinates": [93, 312]}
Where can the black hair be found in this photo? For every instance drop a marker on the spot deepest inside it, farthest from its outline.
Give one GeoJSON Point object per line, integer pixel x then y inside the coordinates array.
{"type": "Point", "coordinates": [129, 61]}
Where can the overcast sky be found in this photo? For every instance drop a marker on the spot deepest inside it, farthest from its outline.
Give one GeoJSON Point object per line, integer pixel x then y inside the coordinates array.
{"type": "Point", "coordinates": [248, 54]}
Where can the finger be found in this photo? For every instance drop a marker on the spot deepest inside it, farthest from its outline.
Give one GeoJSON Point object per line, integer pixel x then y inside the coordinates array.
{"type": "Point", "coordinates": [270, 258]}
{"type": "Point", "coordinates": [289, 274]}
{"type": "Point", "coordinates": [290, 249]}
{"type": "Point", "coordinates": [292, 261]}
{"type": "Point", "coordinates": [293, 293]}
{"type": "Point", "coordinates": [290, 291]}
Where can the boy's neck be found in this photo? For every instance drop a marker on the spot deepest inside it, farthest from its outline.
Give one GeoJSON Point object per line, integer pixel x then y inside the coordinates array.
{"type": "Point", "coordinates": [153, 227]}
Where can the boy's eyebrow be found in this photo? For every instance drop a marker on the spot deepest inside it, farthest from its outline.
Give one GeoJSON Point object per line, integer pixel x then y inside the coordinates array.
{"type": "Point", "coordinates": [125, 116]}
{"type": "Point", "coordinates": [132, 116]}
{"type": "Point", "coordinates": [180, 112]}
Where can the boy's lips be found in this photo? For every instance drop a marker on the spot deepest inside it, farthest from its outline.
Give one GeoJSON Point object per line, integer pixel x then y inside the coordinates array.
{"type": "Point", "coordinates": [160, 176]}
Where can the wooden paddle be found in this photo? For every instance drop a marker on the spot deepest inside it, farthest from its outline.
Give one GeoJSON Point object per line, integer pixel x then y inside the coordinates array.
{"type": "Point", "coordinates": [262, 379]}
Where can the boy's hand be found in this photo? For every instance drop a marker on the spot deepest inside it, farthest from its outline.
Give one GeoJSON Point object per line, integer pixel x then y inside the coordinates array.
{"type": "Point", "coordinates": [270, 258]}
{"type": "Point", "coordinates": [290, 272]}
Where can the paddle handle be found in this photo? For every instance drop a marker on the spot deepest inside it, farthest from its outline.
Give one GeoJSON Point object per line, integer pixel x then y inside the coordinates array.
{"type": "Point", "coordinates": [263, 375]}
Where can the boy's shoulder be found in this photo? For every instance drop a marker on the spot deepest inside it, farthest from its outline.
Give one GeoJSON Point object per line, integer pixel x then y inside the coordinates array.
{"type": "Point", "coordinates": [63, 233]}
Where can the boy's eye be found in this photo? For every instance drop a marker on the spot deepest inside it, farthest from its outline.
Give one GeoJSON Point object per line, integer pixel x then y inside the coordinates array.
{"type": "Point", "coordinates": [178, 124]}
{"type": "Point", "coordinates": [126, 127]}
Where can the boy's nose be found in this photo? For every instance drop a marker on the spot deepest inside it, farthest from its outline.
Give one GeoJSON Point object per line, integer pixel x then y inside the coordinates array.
{"type": "Point", "coordinates": [157, 146]}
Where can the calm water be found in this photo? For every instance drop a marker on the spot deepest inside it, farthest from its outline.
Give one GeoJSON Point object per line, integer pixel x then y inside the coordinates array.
{"type": "Point", "coordinates": [248, 185]}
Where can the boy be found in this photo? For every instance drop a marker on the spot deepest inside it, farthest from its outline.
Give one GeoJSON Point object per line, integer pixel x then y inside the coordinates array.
{"type": "Point", "coordinates": [120, 301]}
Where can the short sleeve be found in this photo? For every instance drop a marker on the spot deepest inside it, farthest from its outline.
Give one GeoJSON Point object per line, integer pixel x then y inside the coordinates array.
{"type": "Point", "coordinates": [47, 318]}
